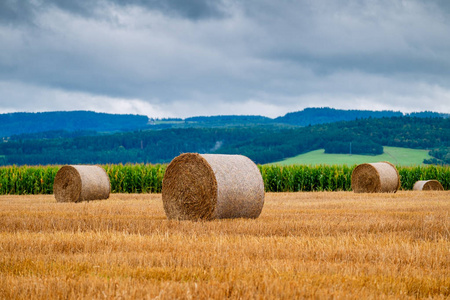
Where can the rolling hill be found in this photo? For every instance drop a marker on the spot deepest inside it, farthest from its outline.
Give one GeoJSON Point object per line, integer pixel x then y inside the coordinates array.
{"type": "Point", "coordinates": [79, 121]}
{"type": "Point", "coordinates": [89, 123]}
{"type": "Point", "coordinates": [395, 155]}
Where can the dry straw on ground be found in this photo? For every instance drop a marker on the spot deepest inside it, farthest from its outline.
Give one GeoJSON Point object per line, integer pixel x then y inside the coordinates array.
{"type": "Point", "coordinates": [212, 186]}
{"type": "Point", "coordinates": [381, 177]}
{"type": "Point", "coordinates": [81, 183]}
{"type": "Point", "coordinates": [428, 185]}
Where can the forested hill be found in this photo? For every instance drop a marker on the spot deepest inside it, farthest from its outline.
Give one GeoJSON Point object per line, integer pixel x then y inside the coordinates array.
{"type": "Point", "coordinates": [306, 117]}
{"type": "Point", "coordinates": [313, 116]}
{"type": "Point", "coordinates": [262, 144]}
{"type": "Point", "coordinates": [76, 123]}
{"type": "Point", "coordinates": [81, 121]}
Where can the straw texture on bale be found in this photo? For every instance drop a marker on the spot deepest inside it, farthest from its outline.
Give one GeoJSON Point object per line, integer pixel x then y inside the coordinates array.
{"type": "Point", "coordinates": [81, 183]}
{"type": "Point", "coordinates": [428, 185]}
{"type": "Point", "coordinates": [381, 177]}
{"type": "Point", "coordinates": [212, 186]}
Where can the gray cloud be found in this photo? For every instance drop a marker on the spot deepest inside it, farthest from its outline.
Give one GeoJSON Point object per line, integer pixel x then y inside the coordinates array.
{"type": "Point", "coordinates": [25, 11]}
{"type": "Point", "coordinates": [14, 12]}
{"type": "Point", "coordinates": [193, 9]}
{"type": "Point", "coordinates": [215, 57]}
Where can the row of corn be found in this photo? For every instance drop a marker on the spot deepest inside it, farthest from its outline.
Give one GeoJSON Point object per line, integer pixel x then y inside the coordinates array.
{"type": "Point", "coordinates": [140, 178]}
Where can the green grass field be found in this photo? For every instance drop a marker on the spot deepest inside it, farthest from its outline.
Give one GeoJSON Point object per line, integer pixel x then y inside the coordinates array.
{"type": "Point", "coordinates": [397, 156]}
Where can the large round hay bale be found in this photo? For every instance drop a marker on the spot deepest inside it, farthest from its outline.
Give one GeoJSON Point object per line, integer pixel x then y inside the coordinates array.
{"type": "Point", "coordinates": [81, 183]}
{"type": "Point", "coordinates": [428, 185]}
{"type": "Point", "coordinates": [212, 186]}
{"type": "Point", "coordinates": [381, 177]}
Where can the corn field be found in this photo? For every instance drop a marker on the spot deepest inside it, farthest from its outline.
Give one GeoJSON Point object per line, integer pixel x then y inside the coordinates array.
{"type": "Point", "coordinates": [140, 178]}
{"type": "Point", "coordinates": [306, 178]}
{"type": "Point", "coordinates": [26, 180]}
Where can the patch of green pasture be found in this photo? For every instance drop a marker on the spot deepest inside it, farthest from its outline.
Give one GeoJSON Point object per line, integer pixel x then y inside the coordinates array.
{"type": "Point", "coordinates": [395, 155]}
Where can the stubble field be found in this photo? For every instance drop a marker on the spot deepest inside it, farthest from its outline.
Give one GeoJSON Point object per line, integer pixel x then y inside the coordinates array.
{"type": "Point", "coordinates": [313, 245]}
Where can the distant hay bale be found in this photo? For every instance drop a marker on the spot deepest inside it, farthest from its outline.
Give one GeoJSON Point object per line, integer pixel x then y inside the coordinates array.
{"type": "Point", "coordinates": [212, 186]}
{"type": "Point", "coordinates": [381, 177]}
{"type": "Point", "coordinates": [428, 185]}
{"type": "Point", "coordinates": [81, 183]}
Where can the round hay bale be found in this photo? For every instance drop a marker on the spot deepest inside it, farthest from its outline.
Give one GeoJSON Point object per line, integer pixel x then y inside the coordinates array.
{"type": "Point", "coordinates": [428, 185]}
{"type": "Point", "coordinates": [81, 183]}
{"type": "Point", "coordinates": [381, 177]}
{"type": "Point", "coordinates": [212, 186]}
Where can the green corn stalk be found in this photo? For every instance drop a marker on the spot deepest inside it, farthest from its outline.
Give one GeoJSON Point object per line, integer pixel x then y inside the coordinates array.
{"type": "Point", "coordinates": [147, 178]}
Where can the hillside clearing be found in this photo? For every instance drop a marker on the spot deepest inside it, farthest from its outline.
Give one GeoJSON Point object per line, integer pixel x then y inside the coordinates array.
{"type": "Point", "coordinates": [395, 155]}
{"type": "Point", "coordinates": [319, 245]}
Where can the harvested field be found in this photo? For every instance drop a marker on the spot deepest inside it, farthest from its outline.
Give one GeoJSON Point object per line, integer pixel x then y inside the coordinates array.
{"type": "Point", "coordinates": [316, 244]}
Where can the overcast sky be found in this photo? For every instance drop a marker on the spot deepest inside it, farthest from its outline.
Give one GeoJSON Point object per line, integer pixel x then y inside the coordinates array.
{"type": "Point", "coordinates": [180, 58]}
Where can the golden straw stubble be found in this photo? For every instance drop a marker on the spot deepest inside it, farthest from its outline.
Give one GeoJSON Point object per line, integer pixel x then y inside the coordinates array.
{"type": "Point", "coordinates": [381, 177]}
{"type": "Point", "coordinates": [428, 185]}
{"type": "Point", "coordinates": [78, 183]}
{"type": "Point", "coordinates": [212, 186]}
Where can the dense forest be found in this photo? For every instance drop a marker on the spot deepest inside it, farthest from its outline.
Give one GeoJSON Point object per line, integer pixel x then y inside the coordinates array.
{"type": "Point", "coordinates": [262, 143]}
{"type": "Point", "coordinates": [440, 155]}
